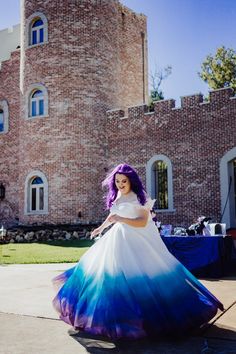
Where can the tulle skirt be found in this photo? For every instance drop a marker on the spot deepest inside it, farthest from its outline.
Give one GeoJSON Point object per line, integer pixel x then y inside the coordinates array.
{"type": "Point", "coordinates": [128, 285]}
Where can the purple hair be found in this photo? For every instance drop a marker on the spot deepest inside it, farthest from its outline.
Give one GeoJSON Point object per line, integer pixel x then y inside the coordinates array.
{"type": "Point", "coordinates": [135, 182]}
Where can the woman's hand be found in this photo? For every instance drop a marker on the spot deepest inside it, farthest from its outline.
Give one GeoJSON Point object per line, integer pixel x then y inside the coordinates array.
{"type": "Point", "coordinates": [95, 232]}
{"type": "Point", "coordinates": [99, 229]}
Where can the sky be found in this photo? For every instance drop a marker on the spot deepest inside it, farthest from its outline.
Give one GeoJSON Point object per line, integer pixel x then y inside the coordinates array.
{"type": "Point", "coordinates": [181, 33]}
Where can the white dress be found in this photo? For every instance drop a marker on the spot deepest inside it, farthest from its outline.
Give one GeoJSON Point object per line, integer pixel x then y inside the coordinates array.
{"type": "Point", "coordinates": [128, 285]}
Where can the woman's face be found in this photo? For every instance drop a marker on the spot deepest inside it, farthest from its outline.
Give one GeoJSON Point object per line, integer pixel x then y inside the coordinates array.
{"type": "Point", "coordinates": [122, 183]}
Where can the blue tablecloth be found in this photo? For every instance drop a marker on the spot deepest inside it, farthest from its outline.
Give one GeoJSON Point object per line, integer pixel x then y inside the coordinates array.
{"type": "Point", "coordinates": [204, 256]}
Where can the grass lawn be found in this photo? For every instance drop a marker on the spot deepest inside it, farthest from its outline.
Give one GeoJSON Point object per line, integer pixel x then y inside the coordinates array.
{"type": "Point", "coordinates": [48, 252]}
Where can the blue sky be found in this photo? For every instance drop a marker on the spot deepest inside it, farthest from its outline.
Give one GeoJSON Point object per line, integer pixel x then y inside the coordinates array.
{"type": "Point", "coordinates": [180, 33]}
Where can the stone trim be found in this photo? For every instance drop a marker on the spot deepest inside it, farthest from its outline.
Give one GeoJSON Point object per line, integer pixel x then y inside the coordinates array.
{"type": "Point", "coordinates": [150, 182]}
{"type": "Point", "coordinates": [36, 86]}
{"type": "Point", "coordinates": [28, 29]}
{"type": "Point", "coordinates": [29, 177]}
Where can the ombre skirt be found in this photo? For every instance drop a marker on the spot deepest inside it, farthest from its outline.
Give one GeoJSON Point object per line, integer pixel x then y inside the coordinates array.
{"type": "Point", "coordinates": [128, 285]}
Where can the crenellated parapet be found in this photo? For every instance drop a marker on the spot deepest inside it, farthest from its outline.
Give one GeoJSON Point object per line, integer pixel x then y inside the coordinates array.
{"type": "Point", "coordinates": [223, 94]}
{"type": "Point", "coordinates": [191, 100]}
{"type": "Point", "coordinates": [134, 112]}
{"type": "Point", "coordinates": [163, 107]}
{"type": "Point", "coordinates": [10, 40]}
{"type": "Point", "coordinates": [137, 111]}
{"type": "Point", "coordinates": [6, 65]}
{"type": "Point", "coordinates": [115, 113]}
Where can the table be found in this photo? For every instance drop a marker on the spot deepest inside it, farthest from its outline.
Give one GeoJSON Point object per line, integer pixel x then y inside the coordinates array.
{"type": "Point", "coordinates": [204, 256]}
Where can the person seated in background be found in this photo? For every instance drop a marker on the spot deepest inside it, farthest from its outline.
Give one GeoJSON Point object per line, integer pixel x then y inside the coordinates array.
{"type": "Point", "coordinates": [200, 227]}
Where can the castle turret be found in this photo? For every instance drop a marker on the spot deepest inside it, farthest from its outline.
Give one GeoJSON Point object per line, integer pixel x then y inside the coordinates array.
{"type": "Point", "coordinates": [78, 60]}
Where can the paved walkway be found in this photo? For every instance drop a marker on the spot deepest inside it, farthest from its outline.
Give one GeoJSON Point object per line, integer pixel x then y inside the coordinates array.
{"type": "Point", "coordinates": [29, 324]}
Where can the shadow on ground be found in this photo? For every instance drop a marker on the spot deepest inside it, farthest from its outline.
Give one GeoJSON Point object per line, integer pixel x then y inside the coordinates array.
{"type": "Point", "coordinates": [222, 341]}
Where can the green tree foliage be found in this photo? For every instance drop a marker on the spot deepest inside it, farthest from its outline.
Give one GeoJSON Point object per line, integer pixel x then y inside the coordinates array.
{"type": "Point", "coordinates": [156, 79]}
{"type": "Point", "coordinates": [219, 71]}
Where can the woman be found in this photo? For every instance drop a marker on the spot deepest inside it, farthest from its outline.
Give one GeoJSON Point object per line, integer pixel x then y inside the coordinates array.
{"type": "Point", "coordinates": [128, 285]}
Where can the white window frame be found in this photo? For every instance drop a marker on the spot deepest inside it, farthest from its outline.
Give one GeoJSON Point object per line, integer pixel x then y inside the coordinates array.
{"type": "Point", "coordinates": [37, 30]}
{"type": "Point", "coordinates": [28, 194]}
{"type": "Point", "coordinates": [29, 29]}
{"type": "Point", "coordinates": [4, 108]}
{"type": "Point", "coordinates": [150, 180]}
{"type": "Point", "coordinates": [37, 102]}
{"type": "Point", "coordinates": [37, 188]}
{"type": "Point", "coordinates": [28, 103]}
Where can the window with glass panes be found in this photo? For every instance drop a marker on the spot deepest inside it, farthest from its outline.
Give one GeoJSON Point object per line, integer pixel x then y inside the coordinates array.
{"type": "Point", "coordinates": [37, 34]}
{"type": "Point", "coordinates": [160, 171]}
{"type": "Point", "coordinates": [36, 194]}
{"type": "Point", "coordinates": [37, 104]}
{"type": "Point", "coordinates": [1, 120]}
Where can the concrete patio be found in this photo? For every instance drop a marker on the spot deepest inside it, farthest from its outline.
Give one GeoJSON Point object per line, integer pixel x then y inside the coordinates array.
{"type": "Point", "coordinates": [29, 324]}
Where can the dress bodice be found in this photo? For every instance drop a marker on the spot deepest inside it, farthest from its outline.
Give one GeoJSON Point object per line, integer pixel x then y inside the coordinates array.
{"type": "Point", "coordinates": [125, 209]}
{"type": "Point", "coordinates": [130, 208]}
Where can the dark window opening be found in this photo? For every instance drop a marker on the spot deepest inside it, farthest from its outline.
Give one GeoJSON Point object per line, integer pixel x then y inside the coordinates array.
{"type": "Point", "coordinates": [161, 184]}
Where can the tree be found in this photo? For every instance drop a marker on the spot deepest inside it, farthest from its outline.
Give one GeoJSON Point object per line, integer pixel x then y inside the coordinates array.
{"type": "Point", "coordinates": [219, 71]}
{"type": "Point", "coordinates": [156, 78]}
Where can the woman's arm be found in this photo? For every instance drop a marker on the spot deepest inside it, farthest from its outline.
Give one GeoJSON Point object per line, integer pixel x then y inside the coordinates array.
{"type": "Point", "coordinates": [99, 229]}
{"type": "Point", "coordinates": [140, 221]}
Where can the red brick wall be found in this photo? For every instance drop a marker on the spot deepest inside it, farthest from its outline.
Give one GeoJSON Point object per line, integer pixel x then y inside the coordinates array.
{"type": "Point", "coordinates": [133, 84]}
{"type": "Point", "coordinates": [194, 137]}
{"type": "Point", "coordinates": [9, 142]}
{"type": "Point", "coordinates": [82, 67]}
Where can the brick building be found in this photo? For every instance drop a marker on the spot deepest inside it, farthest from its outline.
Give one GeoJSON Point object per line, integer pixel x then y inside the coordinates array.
{"type": "Point", "coordinates": [60, 129]}
{"type": "Point", "coordinates": [186, 155]}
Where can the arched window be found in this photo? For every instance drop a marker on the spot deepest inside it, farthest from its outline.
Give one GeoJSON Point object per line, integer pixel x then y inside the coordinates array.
{"type": "Point", "coordinates": [36, 193]}
{"type": "Point", "coordinates": [1, 120]}
{"type": "Point", "coordinates": [160, 171]}
{"type": "Point", "coordinates": [37, 104]}
{"type": "Point", "coordinates": [37, 101]}
{"type": "Point", "coordinates": [3, 117]}
{"type": "Point", "coordinates": [159, 182]}
{"type": "Point", "coordinates": [37, 29]}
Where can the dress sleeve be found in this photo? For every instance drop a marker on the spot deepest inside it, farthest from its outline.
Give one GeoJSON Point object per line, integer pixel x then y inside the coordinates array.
{"type": "Point", "coordinates": [149, 204]}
